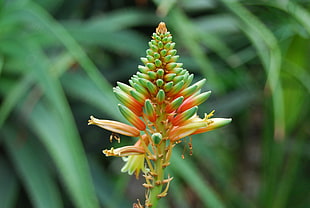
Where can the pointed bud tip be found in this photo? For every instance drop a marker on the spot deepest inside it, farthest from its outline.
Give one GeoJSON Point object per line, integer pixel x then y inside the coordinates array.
{"type": "Point", "coordinates": [219, 122]}
{"type": "Point", "coordinates": [161, 29]}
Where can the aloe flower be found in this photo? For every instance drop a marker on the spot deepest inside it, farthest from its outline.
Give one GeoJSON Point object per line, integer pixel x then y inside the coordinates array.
{"type": "Point", "coordinates": [160, 102]}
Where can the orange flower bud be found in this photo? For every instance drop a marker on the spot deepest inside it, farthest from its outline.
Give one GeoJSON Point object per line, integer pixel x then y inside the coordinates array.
{"type": "Point", "coordinates": [194, 100]}
{"type": "Point", "coordinates": [182, 117]}
{"type": "Point", "coordinates": [132, 117]}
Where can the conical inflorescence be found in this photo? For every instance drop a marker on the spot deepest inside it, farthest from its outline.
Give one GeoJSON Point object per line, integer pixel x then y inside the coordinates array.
{"type": "Point", "coordinates": [161, 103]}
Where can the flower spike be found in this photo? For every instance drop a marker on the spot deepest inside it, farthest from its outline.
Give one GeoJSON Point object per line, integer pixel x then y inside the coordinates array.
{"type": "Point", "coordinates": [161, 103]}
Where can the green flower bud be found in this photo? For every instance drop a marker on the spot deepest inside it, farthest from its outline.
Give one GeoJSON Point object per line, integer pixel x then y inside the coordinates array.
{"type": "Point", "coordinates": [150, 58]}
{"type": "Point", "coordinates": [163, 52]}
{"type": "Point", "coordinates": [181, 118]}
{"type": "Point", "coordinates": [157, 137]}
{"type": "Point", "coordinates": [158, 38]}
{"type": "Point", "coordinates": [160, 44]}
{"type": "Point", "coordinates": [160, 73]}
{"type": "Point", "coordinates": [159, 82]}
{"type": "Point", "coordinates": [179, 65]}
{"type": "Point", "coordinates": [178, 78]}
{"type": "Point", "coordinates": [131, 82]}
{"type": "Point", "coordinates": [189, 91]}
{"type": "Point", "coordinates": [186, 92]}
{"type": "Point", "coordinates": [169, 77]}
{"type": "Point", "coordinates": [200, 83]}
{"type": "Point", "coordinates": [149, 110]}
{"type": "Point", "coordinates": [140, 89]}
{"type": "Point", "coordinates": [132, 117]}
{"type": "Point", "coordinates": [193, 100]}
{"type": "Point", "coordinates": [151, 87]}
{"type": "Point", "coordinates": [177, 70]}
{"type": "Point", "coordinates": [134, 79]}
{"type": "Point", "coordinates": [152, 74]}
{"type": "Point", "coordinates": [171, 66]}
{"type": "Point", "coordinates": [160, 97]}
{"type": "Point", "coordinates": [172, 52]}
{"type": "Point", "coordinates": [167, 46]}
{"type": "Point", "coordinates": [176, 88]}
{"type": "Point", "coordinates": [156, 55]}
{"type": "Point", "coordinates": [186, 75]}
{"type": "Point", "coordinates": [141, 75]}
{"type": "Point", "coordinates": [143, 82]}
{"type": "Point", "coordinates": [167, 58]}
{"type": "Point", "coordinates": [144, 60]}
{"type": "Point", "coordinates": [168, 86]}
{"type": "Point", "coordinates": [124, 87]}
{"type": "Point", "coordinates": [143, 69]}
{"type": "Point", "coordinates": [174, 58]}
{"type": "Point", "coordinates": [151, 66]}
{"type": "Point", "coordinates": [174, 104]}
{"type": "Point", "coordinates": [154, 48]}
{"type": "Point", "coordinates": [183, 72]}
{"type": "Point", "coordinates": [158, 63]}
{"type": "Point", "coordinates": [189, 80]}
{"type": "Point", "coordinates": [149, 52]}
{"type": "Point", "coordinates": [138, 96]}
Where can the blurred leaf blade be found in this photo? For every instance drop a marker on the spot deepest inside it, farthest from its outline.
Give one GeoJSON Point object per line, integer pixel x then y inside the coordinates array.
{"type": "Point", "coordinates": [189, 172]}
{"type": "Point", "coordinates": [68, 156]}
{"type": "Point", "coordinates": [12, 98]}
{"type": "Point", "coordinates": [9, 185]}
{"type": "Point", "coordinates": [40, 185]}
{"type": "Point", "coordinates": [59, 31]}
{"type": "Point", "coordinates": [71, 158]}
{"type": "Point", "coordinates": [185, 28]}
{"type": "Point", "coordinates": [272, 63]}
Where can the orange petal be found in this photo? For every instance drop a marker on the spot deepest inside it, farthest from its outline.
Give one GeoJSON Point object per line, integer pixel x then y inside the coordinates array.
{"type": "Point", "coordinates": [213, 123]}
{"type": "Point", "coordinates": [115, 126]}
{"type": "Point", "coordinates": [124, 151]}
{"type": "Point", "coordinates": [183, 131]}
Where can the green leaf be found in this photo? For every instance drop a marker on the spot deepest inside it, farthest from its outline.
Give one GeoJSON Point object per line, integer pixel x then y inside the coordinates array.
{"type": "Point", "coordinates": [104, 185]}
{"type": "Point", "coordinates": [1, 64]}
{"type": "Point", "coordinates": [67, 153]}
{"type": "Point", "coordinates": [52, 121]}
{"type": "Point", "coordinates": [189, 33]}
{"type": "Point", "coordinates": [190, 173]}
{"type": "Point", "coordinates": [13, 96]}
{"type": "Point", "coordinates": [261, 36]}
{"type": "Point", "coordinates": [38, 181]}
{"type": "Point", "coordinates": [9, 185]}
{"type": "Point", "coordinates": [103, 100]}
{"type": "Point", "coordinates": [117, 20]}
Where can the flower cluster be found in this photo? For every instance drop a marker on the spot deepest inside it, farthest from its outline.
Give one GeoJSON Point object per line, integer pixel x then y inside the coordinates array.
{"type": "Point", "coordinates": [161, 103]}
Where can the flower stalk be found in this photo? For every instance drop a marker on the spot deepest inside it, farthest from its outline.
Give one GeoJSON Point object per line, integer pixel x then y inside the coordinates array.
{"type": "Point", "coordinates": [162, 106]}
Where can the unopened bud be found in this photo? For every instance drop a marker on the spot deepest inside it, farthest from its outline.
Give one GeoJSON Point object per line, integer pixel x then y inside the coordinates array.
{"type": "Point", "coordinates": [157, 137]}
{"type": "Point", "coordinates": [174, 104]}
{"type": "Point", "coordinates": [160, 97]}
{"type": "Point", "coordinates": [132, 117]}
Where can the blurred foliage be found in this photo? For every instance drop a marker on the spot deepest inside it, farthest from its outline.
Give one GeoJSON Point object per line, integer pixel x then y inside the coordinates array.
{"type": "Point", "coordinates": [60, 59]}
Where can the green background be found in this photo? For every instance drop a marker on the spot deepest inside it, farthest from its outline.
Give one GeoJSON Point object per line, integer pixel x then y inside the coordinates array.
{"type": "Point", "coordinates": [59, 60]}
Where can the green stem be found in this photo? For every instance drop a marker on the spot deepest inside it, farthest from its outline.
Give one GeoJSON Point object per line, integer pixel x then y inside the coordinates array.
{"type": "Point", "coordinates": [158, 188]}
{"type": "Point", "coordinates": [160, 155]}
